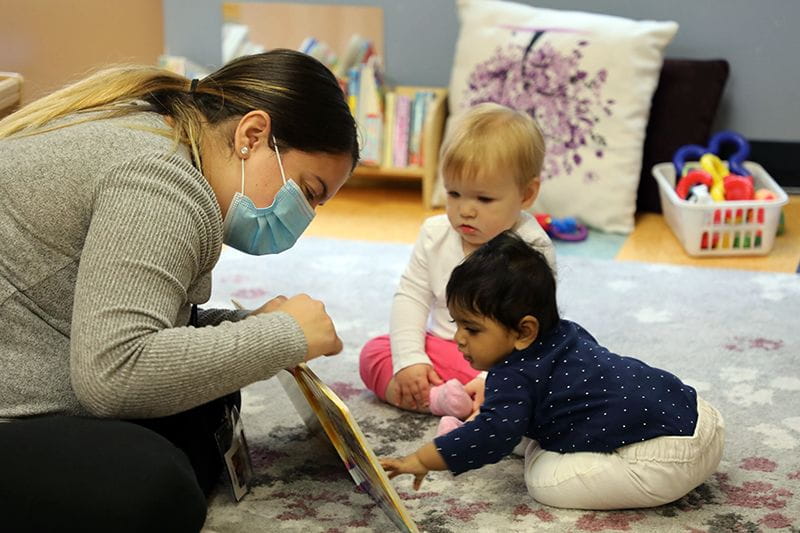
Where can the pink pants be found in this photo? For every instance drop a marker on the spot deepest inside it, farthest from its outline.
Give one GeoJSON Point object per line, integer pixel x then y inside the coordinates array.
{"type": "Point", "coordinates": [375, 363]}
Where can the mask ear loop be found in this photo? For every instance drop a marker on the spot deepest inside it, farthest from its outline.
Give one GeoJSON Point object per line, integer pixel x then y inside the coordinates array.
{"type": "Point", "coordinates": [243, 176]}
{"type": "Point", "coordinates": [244, 150]}
{"type": "Point", "coordinates": [280, 163]}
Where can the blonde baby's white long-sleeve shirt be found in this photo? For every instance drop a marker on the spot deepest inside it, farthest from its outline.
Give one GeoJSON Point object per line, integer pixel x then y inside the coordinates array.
{"type": "Point", "coordinates": [420, 305]}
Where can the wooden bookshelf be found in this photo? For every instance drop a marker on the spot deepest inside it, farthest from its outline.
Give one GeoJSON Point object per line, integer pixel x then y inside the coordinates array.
{"type": "Point", "coordinates": [10, 92]}
{"type": "Point", "coordinates": [432, 131]}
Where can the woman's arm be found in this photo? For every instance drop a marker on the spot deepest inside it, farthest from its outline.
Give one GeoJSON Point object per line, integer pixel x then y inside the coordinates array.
{"type": "Point", "coordinates": [215, 317]}
{"type": "Point", "coordinates": [503, 420]}
{"type": "Point", "coordinates": [154, 229]}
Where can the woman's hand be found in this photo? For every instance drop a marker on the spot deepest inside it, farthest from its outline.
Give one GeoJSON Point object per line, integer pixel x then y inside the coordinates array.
{"type": "Point", "coordinates": [271, 305]}
{"type": "Point", "coordinates": [476, 388]}
{"type": "Point", "coordinates": [310, 314]}
{"type": "Point", "coordinates": [414, 386]}
{"type": "Point", "coordinates": [407, 465]}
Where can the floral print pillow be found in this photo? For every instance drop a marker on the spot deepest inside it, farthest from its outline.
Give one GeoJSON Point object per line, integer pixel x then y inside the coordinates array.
{"type": "Point", "coordinates": [587, 79]}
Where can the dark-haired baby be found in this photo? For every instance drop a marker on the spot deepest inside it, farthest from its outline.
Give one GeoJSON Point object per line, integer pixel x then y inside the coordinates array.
{"type": "Point", "coordinates": [603, 431]}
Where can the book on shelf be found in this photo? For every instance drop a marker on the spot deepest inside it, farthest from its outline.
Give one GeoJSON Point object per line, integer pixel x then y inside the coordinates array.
{"type": "Point", "coordinates": [402, 117]}
{"type": "Point", "coordinates": [358, 51]}
{"type": "Point", "coordinates": [319, 50]}
{"type": "Point", "coordinates": [370, 112]}
{"type": "Point", "coordinates": [419, 110]}
{"type": "Point", "coordinates": [353, 87]}
{"type": "Point", "coordinates": [236, 42]}
{"type": "Point", "coordinates": [389, 106]}
{"type": "Point", "coordinates": [391, 123]}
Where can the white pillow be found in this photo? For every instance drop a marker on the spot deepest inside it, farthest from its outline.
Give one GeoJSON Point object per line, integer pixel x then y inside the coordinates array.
{"type": "Point", "coordinates": [590, 79]}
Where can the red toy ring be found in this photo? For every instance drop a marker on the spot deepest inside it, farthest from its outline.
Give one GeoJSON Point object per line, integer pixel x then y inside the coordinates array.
{"type": "Point", "coordinates": [738, 188]}
{"type": "Point", "coordinates": [692, 178]}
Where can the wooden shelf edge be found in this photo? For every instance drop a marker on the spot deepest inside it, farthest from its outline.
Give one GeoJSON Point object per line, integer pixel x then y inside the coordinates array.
{"type": "Point", "coordinates": [10, 91]}
{"type": "Point", "coordinates": [365, 171]}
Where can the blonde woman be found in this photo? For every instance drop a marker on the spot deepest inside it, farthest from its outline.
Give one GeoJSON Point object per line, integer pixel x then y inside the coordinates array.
{"type": "Point", "coordinates": [117, 195]}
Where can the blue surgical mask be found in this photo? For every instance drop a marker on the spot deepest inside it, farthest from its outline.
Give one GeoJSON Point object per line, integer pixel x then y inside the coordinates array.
{"type": "Point", "coordinates": [267, 230]}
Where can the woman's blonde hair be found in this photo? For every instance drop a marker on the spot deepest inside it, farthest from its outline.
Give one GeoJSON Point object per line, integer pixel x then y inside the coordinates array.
{"type": "Point", "coordinates": [305, 102]}
{"type": "Point", "coordinates": [492, 137]}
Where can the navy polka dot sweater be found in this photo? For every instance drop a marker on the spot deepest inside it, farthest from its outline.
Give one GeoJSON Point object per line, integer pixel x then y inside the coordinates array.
{"type": "Point", "coordinates": [571, 395]}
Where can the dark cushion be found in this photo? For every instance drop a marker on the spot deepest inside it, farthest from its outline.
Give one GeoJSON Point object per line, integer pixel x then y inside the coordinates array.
{"type": "Point", "coordinates": [682, 112]}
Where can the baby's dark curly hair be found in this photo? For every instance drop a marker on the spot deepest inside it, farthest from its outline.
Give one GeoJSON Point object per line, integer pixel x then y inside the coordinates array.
{"type": "Point", "coordinates": [504, 280]}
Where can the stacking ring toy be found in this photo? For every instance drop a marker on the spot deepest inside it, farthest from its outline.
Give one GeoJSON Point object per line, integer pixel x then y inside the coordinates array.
{"type": "Point", "coordinates": [693, 152]}
{"type": "Point", "coordinates": [565, 229]}
{"type": "Point", "coordinates": [714, 166]}
{"type": "Point", "coordinates": [568, 229]}
{"type": "Point", "coordinates": [685, 153]}
{"type": "Point", "coordinates": [742, 150]}
{"type": "Point", "coordinates": [738, 188]}
{"type": "Point", "coordinates": [694, 177]}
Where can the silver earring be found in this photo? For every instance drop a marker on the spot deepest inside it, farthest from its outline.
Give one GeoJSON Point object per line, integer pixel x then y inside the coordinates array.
{"type": "Point", "coordinates": [244, 150]}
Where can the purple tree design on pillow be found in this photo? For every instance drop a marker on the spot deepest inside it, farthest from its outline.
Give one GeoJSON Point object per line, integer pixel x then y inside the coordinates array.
{"type": "Point", "coordinates": [565, 99]}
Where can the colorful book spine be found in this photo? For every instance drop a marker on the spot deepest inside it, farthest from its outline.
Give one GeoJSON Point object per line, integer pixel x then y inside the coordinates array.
{"type": "Point", "coordinates": [370, 115]}
{"type": "Point", "coordinates": [419, 108]}
{"type": "Point", "coordinates": [402, 123]}
{"type": "Point", "coordinates": [389, 103]}
{"type": "Point", "coordinates": [353, 85]}
{"type": "Point", "coordinates": [372, 125]}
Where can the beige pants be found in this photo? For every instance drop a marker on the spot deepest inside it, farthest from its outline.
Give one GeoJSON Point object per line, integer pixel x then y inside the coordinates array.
{"type": "Point", "coordinates": [645, 474]}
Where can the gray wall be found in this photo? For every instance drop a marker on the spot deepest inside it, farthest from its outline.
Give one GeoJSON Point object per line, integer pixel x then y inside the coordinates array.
{"type": "Point", "coordinates": [760, 39]}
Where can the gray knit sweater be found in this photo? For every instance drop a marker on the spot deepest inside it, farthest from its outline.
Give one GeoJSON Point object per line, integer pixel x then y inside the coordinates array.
{"type": "Point", "coordinates": [108, 234]}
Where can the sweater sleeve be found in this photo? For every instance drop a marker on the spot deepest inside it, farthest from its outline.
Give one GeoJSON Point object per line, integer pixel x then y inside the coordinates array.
{"type": "Point", "coordinates": [152, 232]}
{"type": "Point", "coordinates": [215, 317]}
{"type": "Point", "coordinates": [410, 309]}
{"type": "Point", "coordinates": [497, 429]}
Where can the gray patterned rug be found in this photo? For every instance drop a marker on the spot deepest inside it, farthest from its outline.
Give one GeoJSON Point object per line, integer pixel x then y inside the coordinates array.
{"type": "Point", "coordinates": [733, 335]}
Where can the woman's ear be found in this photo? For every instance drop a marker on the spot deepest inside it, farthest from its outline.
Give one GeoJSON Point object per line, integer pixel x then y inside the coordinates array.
{"type": "Point", "coordinates": [530, 192]}
{"type": "Point", "coordinates": [527, 331]}
{"type": "Point", "coordinates": [254, 130]}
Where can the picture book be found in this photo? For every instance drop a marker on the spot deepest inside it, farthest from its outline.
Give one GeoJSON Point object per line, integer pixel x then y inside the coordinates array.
{"type": "Point", "coordinates": [321, 407]}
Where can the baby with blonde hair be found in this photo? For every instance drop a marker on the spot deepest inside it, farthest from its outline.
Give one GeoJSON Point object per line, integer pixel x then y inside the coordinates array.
{"type": "Point", "coordinates": [490, 164]}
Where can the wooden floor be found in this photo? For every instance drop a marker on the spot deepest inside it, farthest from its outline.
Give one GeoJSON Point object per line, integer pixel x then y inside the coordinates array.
{"type": "Point", "coordinates": [373, 211]}
{"type": "Point", "coordinates": [393, 212]}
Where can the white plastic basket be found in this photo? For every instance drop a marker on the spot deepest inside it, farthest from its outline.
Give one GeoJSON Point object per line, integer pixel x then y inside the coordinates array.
{"type": "Point", "coordinates": [745, 227]}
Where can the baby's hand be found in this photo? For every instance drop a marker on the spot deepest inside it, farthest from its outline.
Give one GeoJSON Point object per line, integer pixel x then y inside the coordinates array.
{"type": "Point", "coordinates": [476, 388]}
{"type": "Point", "coordinates": [414, 384]}
{"type": "Point", "coordinates": [409, 464]}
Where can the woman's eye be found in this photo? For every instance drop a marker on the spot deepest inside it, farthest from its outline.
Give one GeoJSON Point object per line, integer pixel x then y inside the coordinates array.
{"type": "Point", "coordinates": [453, 194]}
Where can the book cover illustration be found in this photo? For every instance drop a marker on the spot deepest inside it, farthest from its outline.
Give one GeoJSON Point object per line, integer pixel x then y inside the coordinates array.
{"type": "Point", "coordinates": [321, 408]}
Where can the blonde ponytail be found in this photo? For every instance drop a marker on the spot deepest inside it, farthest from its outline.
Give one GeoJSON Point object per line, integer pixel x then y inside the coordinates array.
{"type": "Point", "coordinates": [98, 92]}
{"type": "Point", "coordinates": [302, 97]}
{"type": "Point", "coordinates": [104, 91]}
